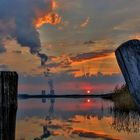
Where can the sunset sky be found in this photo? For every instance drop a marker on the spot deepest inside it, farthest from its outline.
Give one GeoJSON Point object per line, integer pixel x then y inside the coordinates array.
{"type": "Point", "coordinates": [69, 39]}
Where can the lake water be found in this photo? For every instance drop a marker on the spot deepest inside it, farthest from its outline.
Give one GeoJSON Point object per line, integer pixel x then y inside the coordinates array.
{"type": "Point", "coordinates": [75, 119]}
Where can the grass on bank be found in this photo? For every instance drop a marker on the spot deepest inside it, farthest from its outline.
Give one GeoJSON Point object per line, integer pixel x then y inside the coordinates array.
{"type": "Point", "coordinates": [122, 98]}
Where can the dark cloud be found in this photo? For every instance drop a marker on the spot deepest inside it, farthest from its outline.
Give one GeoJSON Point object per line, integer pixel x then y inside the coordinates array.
{"type": "Point", "coordinates": [43, 58]}
{"type": "Point", "coordinates": [73, 121]}
{"type": "Point", "coordinates": [89, 42]}
{"type": "Point", "coordinates": [65, 63]}
{"type": "Point", "coordinates": [51, 65]}
{"type": "Point", "coordinates": [17, 51]}
{"type": "Point", "coordinates": [72, 70]}
{"type": "Point", "coordinates": [2, 49]}
{"type": "Point", "coordinates": [91, 55]}
{"type": "Point", "coordinates": [17, 19]}
{"type": "Point", "coordinates": [55, 126]}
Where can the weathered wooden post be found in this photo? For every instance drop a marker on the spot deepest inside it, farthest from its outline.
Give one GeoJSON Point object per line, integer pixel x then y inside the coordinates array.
{"type": "Point", "coordinates": [128, 57]}
{"type": "Point", "coordinates": [8, 104]}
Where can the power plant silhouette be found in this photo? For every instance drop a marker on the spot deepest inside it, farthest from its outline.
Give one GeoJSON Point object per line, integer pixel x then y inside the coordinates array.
{"type": "Point", "coordinates": [51, 89]}
{"type": "Point", "coordinates": [46, 132]}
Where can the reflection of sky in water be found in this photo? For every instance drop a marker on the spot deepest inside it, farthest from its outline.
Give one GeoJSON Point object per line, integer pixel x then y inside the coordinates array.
{"type": "Point", "coordinates": [74, 119]}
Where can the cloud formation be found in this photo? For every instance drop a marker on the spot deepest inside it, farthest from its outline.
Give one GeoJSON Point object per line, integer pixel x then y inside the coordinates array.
{"type": "Point", "coordinates": [85, 23]}
{"type": "Point", "coordinates": [91, 55]}
{"type": "Point", "coordinates": [17, 21]}
{"type": "Point", "coordinates": [51, 18]}
{"type": "Point", "coordinates": [2, 49]}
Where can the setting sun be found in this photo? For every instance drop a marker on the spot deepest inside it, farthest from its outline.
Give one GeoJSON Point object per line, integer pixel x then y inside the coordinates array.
{"type": "Point", "coordinates": [88, 100]}
{"type": "Point", "coordinates": [88, 91]}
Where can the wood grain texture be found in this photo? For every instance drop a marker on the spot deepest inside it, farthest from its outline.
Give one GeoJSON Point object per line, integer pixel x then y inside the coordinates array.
{"type": "Point", "coordinates": [8, 104]}
{"type": "Point", "coordinates": [128, 57]}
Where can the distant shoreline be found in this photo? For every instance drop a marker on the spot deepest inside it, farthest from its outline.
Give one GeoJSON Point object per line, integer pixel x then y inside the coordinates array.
{"type": "Point", "coordinates": [27, 96]}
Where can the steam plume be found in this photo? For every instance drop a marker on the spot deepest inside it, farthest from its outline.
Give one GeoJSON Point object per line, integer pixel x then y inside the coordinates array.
{"type": "Point", "coordinates": [17, 18]}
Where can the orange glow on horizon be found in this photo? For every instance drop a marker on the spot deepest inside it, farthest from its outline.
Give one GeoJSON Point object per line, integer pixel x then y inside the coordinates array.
{"type": "Point", "coordinates": [107, 65]}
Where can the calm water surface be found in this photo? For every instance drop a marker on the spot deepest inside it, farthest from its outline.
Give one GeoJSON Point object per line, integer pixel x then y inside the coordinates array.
{"type": "Point", "coordinates": [75, 119]}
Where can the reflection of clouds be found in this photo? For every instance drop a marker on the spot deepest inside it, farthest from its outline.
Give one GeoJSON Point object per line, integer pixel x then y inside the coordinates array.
{"type": "Point", "coordinates": [93, 124]}
{"type": "Point", "coordinates": [78, 126]}
{"type": "Point", "coordinates": [92, 134]}
{"type": "Point", "coordinates": [55, 126]}
{"type": "Point", "coordinates": [73, 121]}
{"type": "Point", "coordinates": [29, 128]}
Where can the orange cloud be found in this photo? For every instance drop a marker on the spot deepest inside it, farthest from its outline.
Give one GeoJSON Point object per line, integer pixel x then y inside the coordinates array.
{"type": "Point", "coordinates": [54, 4]}
{"type": "Point", "coordinates": [105, 64]}
{"type": "Point", "coordinates": [50, 18]}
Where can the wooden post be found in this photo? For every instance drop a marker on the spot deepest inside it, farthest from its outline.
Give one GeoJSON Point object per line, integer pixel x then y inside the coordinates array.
{"type": "Point", "coordinates": [8, 104]}
{"type": "Point", "coordinates": [128, 57]}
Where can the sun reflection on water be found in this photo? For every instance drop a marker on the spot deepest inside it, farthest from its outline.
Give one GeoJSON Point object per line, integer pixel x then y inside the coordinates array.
{"type": "Point", "coordinates": [97, 119]}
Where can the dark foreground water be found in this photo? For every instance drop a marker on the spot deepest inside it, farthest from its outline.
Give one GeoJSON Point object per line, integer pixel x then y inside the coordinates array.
{"type": "Point", "coordinates": [75, 119]}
